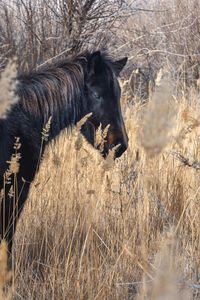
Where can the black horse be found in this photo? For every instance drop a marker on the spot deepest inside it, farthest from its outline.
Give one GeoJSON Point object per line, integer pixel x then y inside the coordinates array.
{"type": "Point", "coordinates": [65, 92]}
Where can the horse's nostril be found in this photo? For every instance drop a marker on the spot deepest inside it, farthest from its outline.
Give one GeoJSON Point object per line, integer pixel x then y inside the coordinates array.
{"type": "Point", "coordinates": [120, 150]}
{"type": "Point", "coordinates": [117, 141]}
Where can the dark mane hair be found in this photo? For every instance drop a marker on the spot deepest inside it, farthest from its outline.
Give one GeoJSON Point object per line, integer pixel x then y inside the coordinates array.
{"type": "Point", "coordinates": [48, 90]}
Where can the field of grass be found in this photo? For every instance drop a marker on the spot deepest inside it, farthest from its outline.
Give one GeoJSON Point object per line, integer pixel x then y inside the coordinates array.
{"type": "Point", "coordinates": [124, 229]}
{"type": "Point", "coordinates": [103, 229]}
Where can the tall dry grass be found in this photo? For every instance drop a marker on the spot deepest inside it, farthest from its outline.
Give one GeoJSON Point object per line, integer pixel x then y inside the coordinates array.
{"type": "Point", "coordinates": [129, 229]}
{"type": "Point", "coordinates": [5, 274]}
{"type": "Point", "coordinates": [7, 87]}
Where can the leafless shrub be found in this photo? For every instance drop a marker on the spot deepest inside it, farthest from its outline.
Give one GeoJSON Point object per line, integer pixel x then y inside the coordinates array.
{"type": "Point", "coordinates": [39, 30]}
{"type": "Point", "coordinates": [163, 33]}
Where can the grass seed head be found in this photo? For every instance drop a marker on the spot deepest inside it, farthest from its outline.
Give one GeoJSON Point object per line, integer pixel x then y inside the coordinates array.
{"type": "Point", "coordinates": [159, 118]}
{"type": "Point", "coordinates": [7, 87]}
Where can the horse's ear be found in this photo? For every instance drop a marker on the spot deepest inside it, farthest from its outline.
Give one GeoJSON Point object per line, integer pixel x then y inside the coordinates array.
{"type": "Point", "coordinates": [119, 65]}
{"type": "Point", "coordinates": [95, 63]}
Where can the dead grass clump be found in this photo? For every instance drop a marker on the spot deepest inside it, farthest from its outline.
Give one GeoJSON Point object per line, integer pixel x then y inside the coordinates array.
{"type": "Point", "coordinates": [95, 229]}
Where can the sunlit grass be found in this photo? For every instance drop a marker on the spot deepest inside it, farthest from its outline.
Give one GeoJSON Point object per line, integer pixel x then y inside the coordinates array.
{"type": "Point", "coordinates": [129, 229]}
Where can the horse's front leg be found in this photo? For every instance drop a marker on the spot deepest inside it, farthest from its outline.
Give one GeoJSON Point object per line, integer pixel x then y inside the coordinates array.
{"type": "Point", "coordinates": [12, 203]}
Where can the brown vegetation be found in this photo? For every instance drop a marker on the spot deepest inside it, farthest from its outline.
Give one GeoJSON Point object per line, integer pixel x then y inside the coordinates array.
{"type": "Point", "coordinates": [129, 229]}
{"type": "Point", "coordinates": [98, 229]}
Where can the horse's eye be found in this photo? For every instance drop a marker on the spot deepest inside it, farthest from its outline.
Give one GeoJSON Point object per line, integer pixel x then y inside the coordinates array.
{"type": "Point", "coordinates": [97, 96]}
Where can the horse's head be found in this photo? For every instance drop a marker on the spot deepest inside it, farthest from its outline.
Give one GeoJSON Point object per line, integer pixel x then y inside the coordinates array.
{"type": "Point", "coordinates": [103, 96]}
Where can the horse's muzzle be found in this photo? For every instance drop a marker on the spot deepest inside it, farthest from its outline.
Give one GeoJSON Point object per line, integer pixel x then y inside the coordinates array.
{"type": "Point", "coordinates": [117, 140]}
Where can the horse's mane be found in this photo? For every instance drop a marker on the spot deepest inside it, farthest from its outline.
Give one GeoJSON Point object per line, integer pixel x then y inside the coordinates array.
{"type": "Point", "coordinates": [50, 89]}
{"type": "Point", "coordinates": [47, 91]}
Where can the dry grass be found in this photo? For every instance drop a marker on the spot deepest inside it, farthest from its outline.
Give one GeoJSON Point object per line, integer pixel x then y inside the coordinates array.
{"type": "Point", "coordinates": [95, 229]}
{"type": "Point", "coordinates": [5, 274]}
{"type": "Point", "coordinates": [7, 86]}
